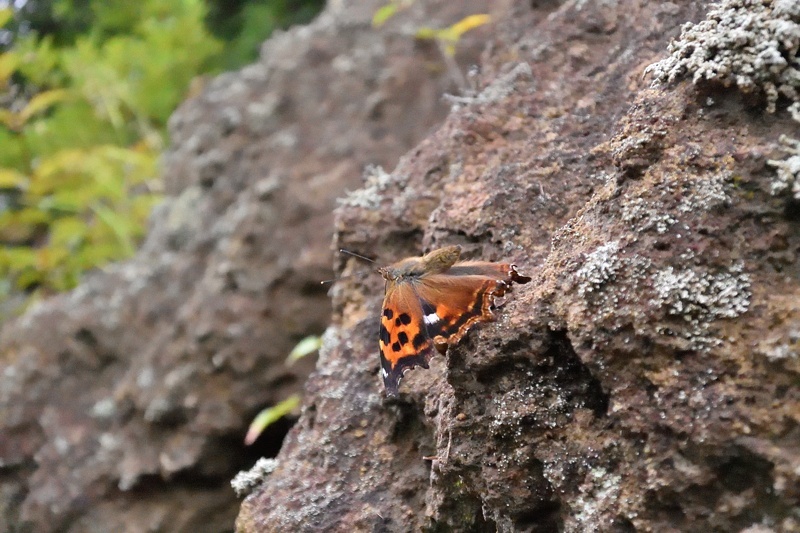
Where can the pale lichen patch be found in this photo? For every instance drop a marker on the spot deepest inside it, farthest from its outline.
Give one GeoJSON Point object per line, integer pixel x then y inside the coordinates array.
{"type": "Point", "coordinates": [647, 216]}
{"type": "Point", "coordinates": [787, 180]}
{"type": "Point", "coordinates": [376, 181]}
{"type": "Point", "coordinates": [750, 43]}
{"type": "Point", "coordinates": [608, 280]}
{"type": "Point", "coordinates": [600, 267]}
{"type": "Point", "coordinates": [699, 194]}
{"type": "Point", "coordinates": [246, 481]}
{"type": "Point", "coordinates": [700, 297]}
{"type": "Point", "coordinates": [599, 494]}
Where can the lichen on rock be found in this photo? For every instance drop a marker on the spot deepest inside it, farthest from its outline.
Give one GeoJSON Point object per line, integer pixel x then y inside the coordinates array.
{"type": "Point", "coordinates": [246, 480]}
{"type": "Point", "coordinates": [787, 180]}
{"type": "Point", "coordinates": [700, 297]}
{"type": "Point", "coordinates": [752, 44]}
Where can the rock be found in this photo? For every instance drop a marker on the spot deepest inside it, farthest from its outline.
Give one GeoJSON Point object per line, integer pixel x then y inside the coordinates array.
{"type": "Point", "coordinates": [645, 381]}
{"type": "Point", "coordinates": [123, 404]}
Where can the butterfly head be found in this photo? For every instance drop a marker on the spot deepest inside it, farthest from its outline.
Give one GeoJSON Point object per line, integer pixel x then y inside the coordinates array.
{"type": "Point", "coordinates": [389, 273]}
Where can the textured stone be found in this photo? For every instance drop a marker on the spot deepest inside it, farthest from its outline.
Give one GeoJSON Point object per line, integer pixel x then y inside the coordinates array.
{"type": "Point", "coordinates": [646, 379]}
{"type": "Point", "coordinates": [124, 404]}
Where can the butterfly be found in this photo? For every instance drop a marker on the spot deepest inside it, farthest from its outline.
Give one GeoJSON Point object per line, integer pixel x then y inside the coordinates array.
{"type": "Point", "coordinates": [431, 302]}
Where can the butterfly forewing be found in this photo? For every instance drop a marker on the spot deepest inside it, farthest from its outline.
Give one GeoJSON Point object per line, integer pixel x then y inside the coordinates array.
{"type": "Point", "coordinates": [404, 339]}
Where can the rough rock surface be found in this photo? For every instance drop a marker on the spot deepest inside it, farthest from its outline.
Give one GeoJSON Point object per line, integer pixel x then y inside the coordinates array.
{"type": "Point", "coordinates": [123, 404]}
{"type": "Point", "coordinates": [647, 380]}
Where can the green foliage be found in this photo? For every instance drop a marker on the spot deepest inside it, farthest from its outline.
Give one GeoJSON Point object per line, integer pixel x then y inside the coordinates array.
{"type": "Point", "coordinates": [86, 89]}
{"type": "Point", "coordinates": [82, 130]}
{"type": "Point", "coordinates": [270, 415]}
{"type": "Point", "coordinates": [384, 13]}
{"type": "Point", "coordinates": [245, 24]}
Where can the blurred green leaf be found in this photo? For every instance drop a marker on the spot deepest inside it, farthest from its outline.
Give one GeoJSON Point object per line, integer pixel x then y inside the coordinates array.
{"type": "Point", "coordinates": [120, 225]}
{"type": "Point", "coordinates": [269, 416]}
{"type": "Point", "coordinates": [18, 257]}
{"type": "Point", "coordinates": [8, 65]}
{"type": "Point", "coordinates": [383, 14]}
{"type": "Point", "coordinates": [11, 178]}
{"type": "Point", "coordinates": [68, 232]}
{"type": "Point", "coordinates": [5, 15]}
{"type": "Point", "coordinates": [470, 22]}
{"type": "Point", "coordinates": [450, 36]}
{"type": "Point", "coordinates": [41, 102]}
{"type": "Point", "coordinates": [305, 347]}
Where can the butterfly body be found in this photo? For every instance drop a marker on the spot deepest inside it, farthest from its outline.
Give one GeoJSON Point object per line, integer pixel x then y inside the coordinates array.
{"type": "Point", "coordinates": [431, 302]}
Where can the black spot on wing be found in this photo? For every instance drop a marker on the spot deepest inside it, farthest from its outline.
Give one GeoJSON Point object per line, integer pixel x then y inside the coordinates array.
{"type": "Point", "coordinates": [402, 338]}
{"type": "Point", "coordinates": [388, 314]}
{"type": "Point", "coordinates": [403, 320]}
{"type": "Point", "coordinates": [384, 335]}
{"type": "Point", "coordinates": [419, 341]}
{"type": "Point", "coordinates": [396, 347]}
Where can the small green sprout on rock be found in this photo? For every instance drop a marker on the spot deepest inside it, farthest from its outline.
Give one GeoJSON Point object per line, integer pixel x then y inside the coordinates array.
{"type": "Point", "coordinates": [285, 407]}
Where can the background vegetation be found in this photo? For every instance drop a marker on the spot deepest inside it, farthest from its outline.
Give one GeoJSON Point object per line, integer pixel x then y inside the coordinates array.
{"type": "Point", "coordinates": [86, 88]}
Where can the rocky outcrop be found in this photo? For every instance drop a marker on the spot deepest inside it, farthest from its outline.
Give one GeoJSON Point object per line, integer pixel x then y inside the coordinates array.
{"type": "Point", "coordinates": [123, 404]}
{"type": "Point", "coordinates": [647, 379]}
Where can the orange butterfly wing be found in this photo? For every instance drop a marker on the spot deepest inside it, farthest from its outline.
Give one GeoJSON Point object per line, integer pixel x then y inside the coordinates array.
{"type": "Point", "coordinates": [458, 302]}
{"type": "Point", "coordinates": [404, 339]}
{"type": "Point", "coordinates": [436, 310]}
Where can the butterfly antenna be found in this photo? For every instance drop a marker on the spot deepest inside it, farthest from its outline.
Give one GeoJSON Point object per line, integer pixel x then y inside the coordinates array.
{"type": "Point", "coordinates": [337, 279]}
{"type": "Point", "coordinates": [348, 252]}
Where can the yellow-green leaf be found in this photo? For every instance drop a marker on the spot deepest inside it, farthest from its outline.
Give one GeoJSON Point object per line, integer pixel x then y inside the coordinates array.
{"type": "Point", "coordinates": [47, 258]}
{"type": "Point", "coordinates": [119, 224]}
{"type": "Point", "coordinates": [269, 416]}
{"type": "Point", "coordinates": [28, 278]}
{"type": "Point", "coordinates": [41, 102]}
{"type": "Point", "coordinates": [18, 257]}
{"type": "Point", "coordinates": [50, 170]}
{"type": "Point", "coordinates": [468, 23]}
{"type": "Point", "coordinates": [426, 33]}
{"type": "Point", "coordinates": [450, 36]}
{"type": "Point", "coordinates": [67, 231]}
{"type": "Point", "coordinates": [8, 119]}
{"type": "Point", "coordinates": [383, 14]}
{"type": "Point", "coordinates": [12, 179]}
{"type": "Point", "coordinates": [8, 65]}
{"type": "Point", "coordinates": [5, 15]}
{"type": "Point", "coordinates": [29, 216]}
{"type": "Point", "coordinates": [307, 346]}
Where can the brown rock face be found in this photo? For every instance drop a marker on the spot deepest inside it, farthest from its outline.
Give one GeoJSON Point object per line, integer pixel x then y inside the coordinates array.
{"type": "Point", "coordinates": [123, 405]}
{"type": "Point", "coordinates": [647, 380]}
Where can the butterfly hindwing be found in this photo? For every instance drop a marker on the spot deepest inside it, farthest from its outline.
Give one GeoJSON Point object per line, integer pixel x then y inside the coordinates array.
{"type": "Point", "coordinates": [499, 271]}
{"type": "Point", "coordinates": [457, 302]}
